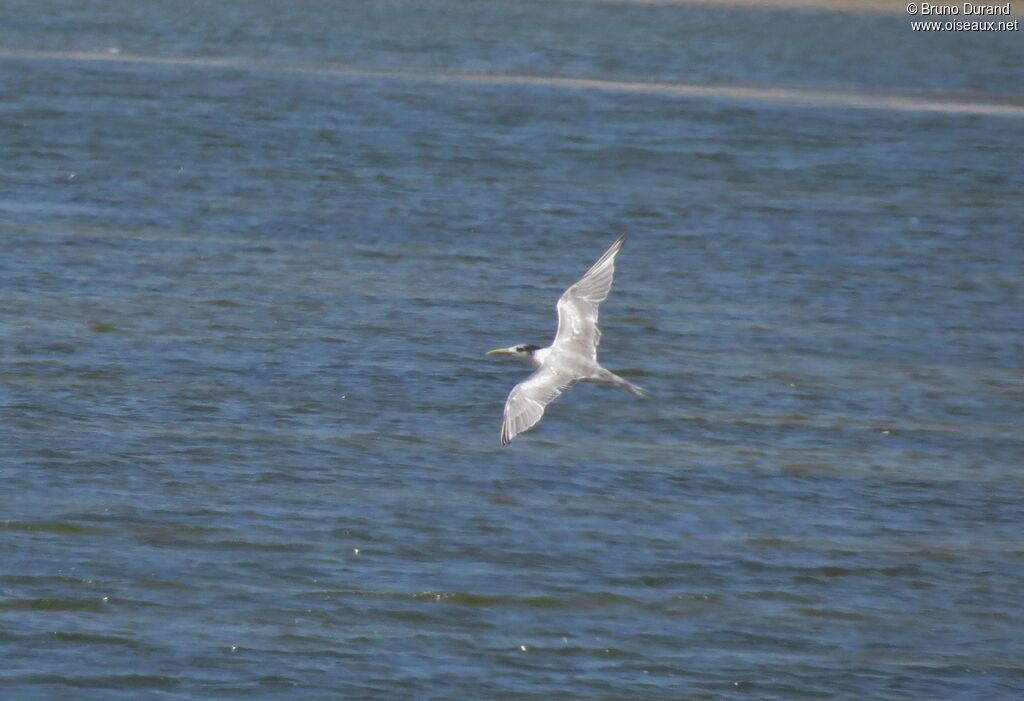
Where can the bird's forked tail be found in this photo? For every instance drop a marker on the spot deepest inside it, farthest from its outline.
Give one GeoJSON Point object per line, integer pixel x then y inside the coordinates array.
{"type": "Point", "coordinates": [607, 377]}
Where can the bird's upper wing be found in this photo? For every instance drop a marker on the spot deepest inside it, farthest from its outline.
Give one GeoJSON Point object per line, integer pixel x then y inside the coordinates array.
{"type": "Point", "coordinates": [578, 305]}
{"type": "Point", "coordinates": [525, 404]}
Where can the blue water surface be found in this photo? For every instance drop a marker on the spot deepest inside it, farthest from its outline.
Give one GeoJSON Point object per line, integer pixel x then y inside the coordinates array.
{"type": "Point", "coordinates": [251, 257]}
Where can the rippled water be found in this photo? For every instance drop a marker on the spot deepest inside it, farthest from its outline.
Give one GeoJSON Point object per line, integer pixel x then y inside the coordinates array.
{"type": "Point", "coordinates": [250, 260]}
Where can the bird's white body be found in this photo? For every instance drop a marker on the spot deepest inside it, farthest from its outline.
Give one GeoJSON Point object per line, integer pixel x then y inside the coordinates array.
{"type": "Point", "coordinates": [571, 358]}
{"type": "Point", "coordinates": [538, 357]}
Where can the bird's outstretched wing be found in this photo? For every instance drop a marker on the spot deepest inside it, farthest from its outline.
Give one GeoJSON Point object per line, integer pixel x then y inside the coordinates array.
{"type": "Point", "coordinates": [578, 306]}
{"type": "Point", "coordinates": [525, 404]}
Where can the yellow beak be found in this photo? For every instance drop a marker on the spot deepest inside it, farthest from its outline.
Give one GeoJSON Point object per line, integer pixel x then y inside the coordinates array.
{"type": "Point", "coordinates": [499, 351]}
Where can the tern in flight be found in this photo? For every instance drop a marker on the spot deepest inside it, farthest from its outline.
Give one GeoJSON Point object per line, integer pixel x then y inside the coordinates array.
{"type": "Point", "coordinates": [571, 358]}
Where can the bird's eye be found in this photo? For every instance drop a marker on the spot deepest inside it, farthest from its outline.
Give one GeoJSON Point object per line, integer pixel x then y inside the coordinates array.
{"type": "Point", "coordinates": [520, 349]}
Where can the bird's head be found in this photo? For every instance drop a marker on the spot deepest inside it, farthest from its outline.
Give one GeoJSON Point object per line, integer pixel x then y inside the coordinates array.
{"type": "Point", "coordinates": [522, 351]}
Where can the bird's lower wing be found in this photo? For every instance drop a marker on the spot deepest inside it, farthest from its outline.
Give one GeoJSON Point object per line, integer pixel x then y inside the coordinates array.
{"type": "Point", "coordinates": [527, 400]}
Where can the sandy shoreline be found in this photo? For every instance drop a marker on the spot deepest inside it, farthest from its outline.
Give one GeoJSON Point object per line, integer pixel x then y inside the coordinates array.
{"type": "Point", "coordinates": [888, 6]}
{"type": "Point", "coordinates": [893, 7]}
{"type": "Point", "coordinates": [802, 96]}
